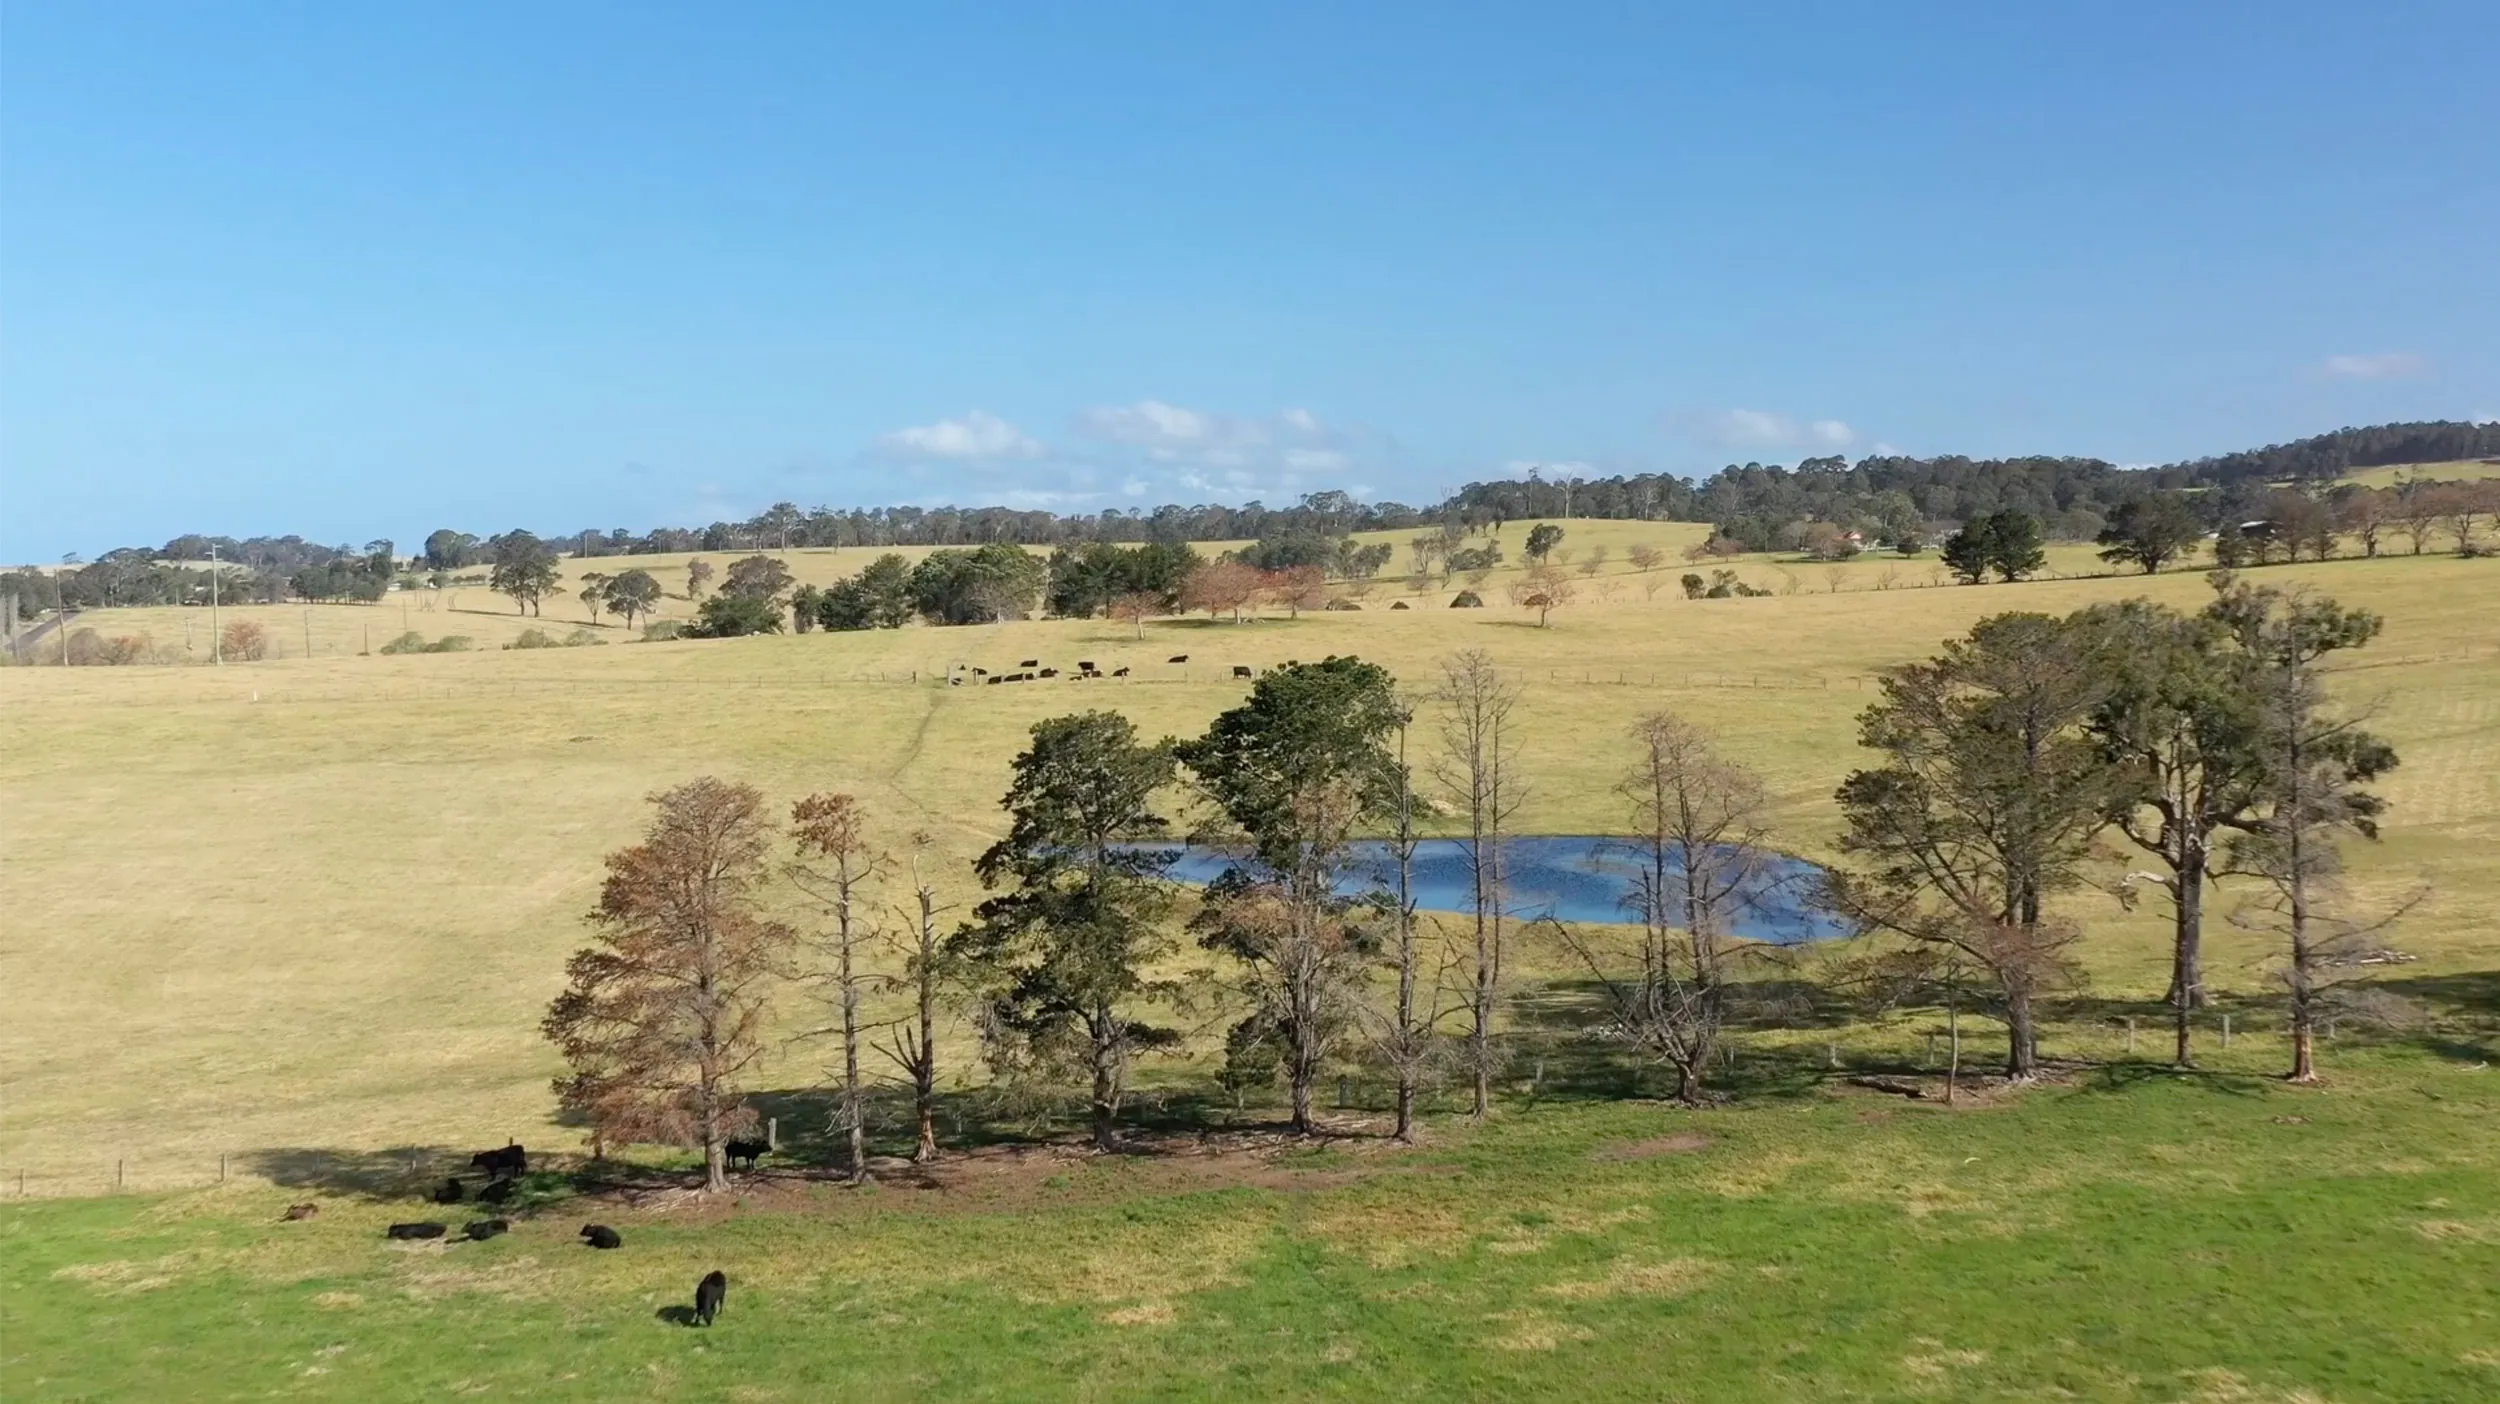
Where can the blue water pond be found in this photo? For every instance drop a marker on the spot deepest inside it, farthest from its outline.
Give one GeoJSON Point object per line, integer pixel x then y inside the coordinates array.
{"type": "Point", "coordinates": [1573, 877]}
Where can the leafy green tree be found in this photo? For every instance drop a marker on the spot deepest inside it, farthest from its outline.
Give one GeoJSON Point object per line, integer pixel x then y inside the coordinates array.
{"type": "Point", "coordinates": [2180, 727]}
{"type": "Point", "coordinates": [450, 550]}
{"type": "Point", "coordinates": [758, 578]}
{"type": "Point", "coordinates": [526, 568]}
{"type": "Point", "coordinates": [1065, 953]}
{"type": "Point", "coordinates": [2015, 551]}
{"type": "Point", "coordinates": [879, 597]}
{"type": "Point", "coordinates": [698, 575]}
{"type": "Point", "coordinates": [726, 616]}
{"type": "Point", "coordinates": [1296, 770]}
{"type": "Point", "coordinates": [594, 592]}
{"type": "Point", "coordinates": [1542, 539]}
{"type": "Point", "coordinates": [1984, 809]}
{"type": "Point", "coordinates": [806, 605]}
{"type": "Point", "coordinates": [993, 582]}
{"type": "Point", "coordinates": [2150, 532]}
{"type": "Point", "coordinates": [632, 593]}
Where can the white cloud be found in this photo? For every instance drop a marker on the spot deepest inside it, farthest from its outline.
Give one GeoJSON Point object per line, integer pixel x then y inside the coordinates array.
{"type": "Point", "coordinates": [1157, 427]}
{"type": "Point", "coordinates": [979, 434]}
{"type": "Point", "coordinates": [1230, 457]}
{"type": "Point", "coordinates": [2383, 365]}
{"type": "Point", "coordinates": [1745, 428]}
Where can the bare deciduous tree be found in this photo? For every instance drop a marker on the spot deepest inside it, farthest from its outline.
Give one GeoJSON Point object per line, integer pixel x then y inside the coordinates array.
{"type": "Point", "coordinates": [835, 860]}
{"type": "Point", "coordinates": [928, 972]}
{"type": "Point", "coordinates": [1478, 766]}
{"type": "Point", "coordinates": [1644, 556]}
{"type": "Point", "coordinates": [660, 1020]}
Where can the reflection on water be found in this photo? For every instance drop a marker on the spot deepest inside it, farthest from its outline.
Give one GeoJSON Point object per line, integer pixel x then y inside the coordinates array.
{"type": "Point", "coordinates": [1576, 877]}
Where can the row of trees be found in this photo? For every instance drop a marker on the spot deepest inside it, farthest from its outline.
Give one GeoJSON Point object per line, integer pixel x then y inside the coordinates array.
{"type": "Point", "coordinates": [2207, 741]}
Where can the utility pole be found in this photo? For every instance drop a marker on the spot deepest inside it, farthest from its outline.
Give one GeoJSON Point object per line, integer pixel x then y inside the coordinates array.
{"type": "Point", "coordinates": [216, 641]}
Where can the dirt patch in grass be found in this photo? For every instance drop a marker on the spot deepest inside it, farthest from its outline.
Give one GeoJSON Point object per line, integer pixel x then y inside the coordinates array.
{"type": "Point", "coordinates": [1680, 1143]}
{"type": "Point", "coordinates": [1672, 1278]}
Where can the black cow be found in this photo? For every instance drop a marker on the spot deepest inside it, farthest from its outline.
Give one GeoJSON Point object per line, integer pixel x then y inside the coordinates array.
{"type": "Point", "coordinates": [709, 1295]}
{"type": "Point", "coordinates": [1240, 672]}
{"type": "Point", "coordinates": [414, 1231]}
{"type": "Point", "coordinates": [1030, 663]}
{"type": "Point", "coordinates": [1177, 658]}
{"type": "Point", "coordinates": [498, 1191]}
{"type": "Point", "coordinates": [746, 1151]}
{"type": "Point", "coordinates": [980, 672]}
{"type": "Point", "coordinates": [485, 1229]}
{"type": "Point", "coordinates": [1086, 665]}
{"type": "Point", "coordinates": [601, 1236]}
{"type": "Point", "coordinates": [448, 1192]}
{"type": "Point", "coordinates": [992, 681]}
{"type": "Point", "coordinates": [1050, 672]}
{"type": "Point", "coordinates": [1119, 672]}
{"type": "Point", "coordinates": [502, 1163]}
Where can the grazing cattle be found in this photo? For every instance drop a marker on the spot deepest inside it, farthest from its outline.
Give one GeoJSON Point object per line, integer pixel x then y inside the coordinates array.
{"type": "Point", "coordinates": [1119, 672]}
{"type": "Point", "coordinates": [485, 1229]}
{"type": "Point", "coordinates": [498, 1191]}
{"type": "Point", "coordinates": [709, 1294]}
{"type": "Point", "coordinates": [1240, 671]}
{"type": "Point", "coordinates": [415, 1231]}
{"type": "Point", "coordinates": [601, 1236]}
{"type": "Point", "coordinates": [1177, 658]}
{"type": "Point", "coordinates": [1086, 665]}
{"type": "Point", "coordinates": [745, 1150]}
{"type": "Point", "coordinates": [992, 681]}
{"type": "Point", "coordinates": [448, 1192]}
{"type": "Point", "coordinates": [980, 672]}
{"type": "Point", "coordinates": [297, 1213]}
{"type": "Point", "coordinates": [1050, 672]}
{"type": "Point", "coordinates": [1030, 663]}
{"type": "Point", "coordinates": [502, 1163]}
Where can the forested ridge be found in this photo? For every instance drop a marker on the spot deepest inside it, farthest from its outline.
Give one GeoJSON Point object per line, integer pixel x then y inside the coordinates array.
{"type": "Point", "coordinates": [1755, 505]}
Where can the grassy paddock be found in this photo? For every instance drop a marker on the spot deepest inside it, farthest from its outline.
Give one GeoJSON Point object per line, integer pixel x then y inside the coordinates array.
{"type": "Point", "coordinates": [305, 915]}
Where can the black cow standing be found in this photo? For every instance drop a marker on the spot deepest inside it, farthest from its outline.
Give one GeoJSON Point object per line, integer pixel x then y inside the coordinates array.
{"type": "Point", "coordinates": [709, 1295]}
{"type": "Point", "coordinates": [745, 1150]}
{"type": "Point", "coordinates": [502, 1163]}
{"type": "Point", "coordinates": [601, 1236]}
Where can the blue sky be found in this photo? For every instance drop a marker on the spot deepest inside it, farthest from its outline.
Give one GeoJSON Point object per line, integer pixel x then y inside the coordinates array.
{"type": "Point", "coordinates": [364, 270]}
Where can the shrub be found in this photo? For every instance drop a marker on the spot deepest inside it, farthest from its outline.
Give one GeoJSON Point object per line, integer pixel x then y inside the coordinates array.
{"type": "Point", "coordinates": [1401, 604]}
{"type": "Point", "coordinates": [1694, 586]}
{"type": "Point", "coordinates": [410, 642]}
{"type": "Point", "coordinates": [583, 638]}
{"type": "Point", "coordinates": [1467, 599]}
{"type": "Point", "coordinates": [1343, 605]}
{"type": "Point", "coordinates": [662, 630]}
{"type": "Point", "coordinates": [451, 643]}
{"type": "Point", "coordinates": [243, 642]}
{"type": "Point", "coordinates": [533, 638]}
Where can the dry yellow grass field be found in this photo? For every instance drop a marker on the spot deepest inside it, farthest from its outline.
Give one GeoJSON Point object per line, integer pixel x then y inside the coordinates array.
{"type": "Point", "coordinates": [322, 903]}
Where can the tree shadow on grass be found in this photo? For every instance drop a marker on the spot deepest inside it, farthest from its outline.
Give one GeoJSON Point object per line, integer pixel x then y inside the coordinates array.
{"type": "Point", "coordinates": [393, 1172]}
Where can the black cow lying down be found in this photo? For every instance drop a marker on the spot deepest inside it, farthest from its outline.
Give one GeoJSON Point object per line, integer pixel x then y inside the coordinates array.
{"type": "Point", "coordinates": [411, 1231]}
{"type": "Point", "coordinates": [448, 1192]}
{"type": "Point", "coordinates": [709, 1295]}
{"type": "Point", "coordinates": [601, 1236]}
{"type": "Point", "coordinates": [485, 1229]}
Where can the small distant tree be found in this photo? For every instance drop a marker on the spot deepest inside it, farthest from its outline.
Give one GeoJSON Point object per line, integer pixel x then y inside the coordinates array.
{"type": "Point", "coordinates": [728, 616]}
{"type": "Point", "coordinates": [698, 575]}
{"type": "Point", "coordinates": [662, 1018]}
{"type": "Point", "coordinates": [244, 642]}
{"type": "Point", "coordinates": [1694, 586]}
{"type": "Point", "coordinates": [1478, 767]}
{"type": "Point", "coordinates": [1594, 561]}
{"type": "Point", "coordinates": [633, 594]}
{"type": "Point", "coordinates": [835, 861]}
{"type": "Point", "coordinates": [757, 578]}
{"type": "Point", "coordinates": [879, 597]}
{"type": "Point", "coordinates": [2150, 532]}
{"type": "Point", "coordinates": [594, 594]}
{"type": "Point", "coordinates": [2364, 514]}
{"type": "Point", "coordinates": [1542, 539]}
{"type": "Point", "coordinates": [1297, 588]}
{"type": "Point", "coordinates": [1543, 588]}
{"type": "Point", "coordinates": [1217, 586]}
{"type": "Point", "coordinates": [1135, 608]}
{"type": "Point", "coordinates": [526, 568]}
{"type": "Point", "coordinates": [2462, 507]}
{"type": "Point", "coordinates": [806, 606]}
{"type": "Point", "coordinates": [1645, 557]}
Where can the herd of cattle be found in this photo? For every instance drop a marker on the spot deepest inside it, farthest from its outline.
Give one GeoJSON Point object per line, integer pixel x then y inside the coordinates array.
{"type": "Point", "coordinates": [1031, 669]}
{"type": "Point", "coordinates": [504, 1167]}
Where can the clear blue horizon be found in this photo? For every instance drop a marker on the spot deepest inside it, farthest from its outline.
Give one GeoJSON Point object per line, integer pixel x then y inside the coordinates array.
{"type": "Point", "coordinates": [361, 271]}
